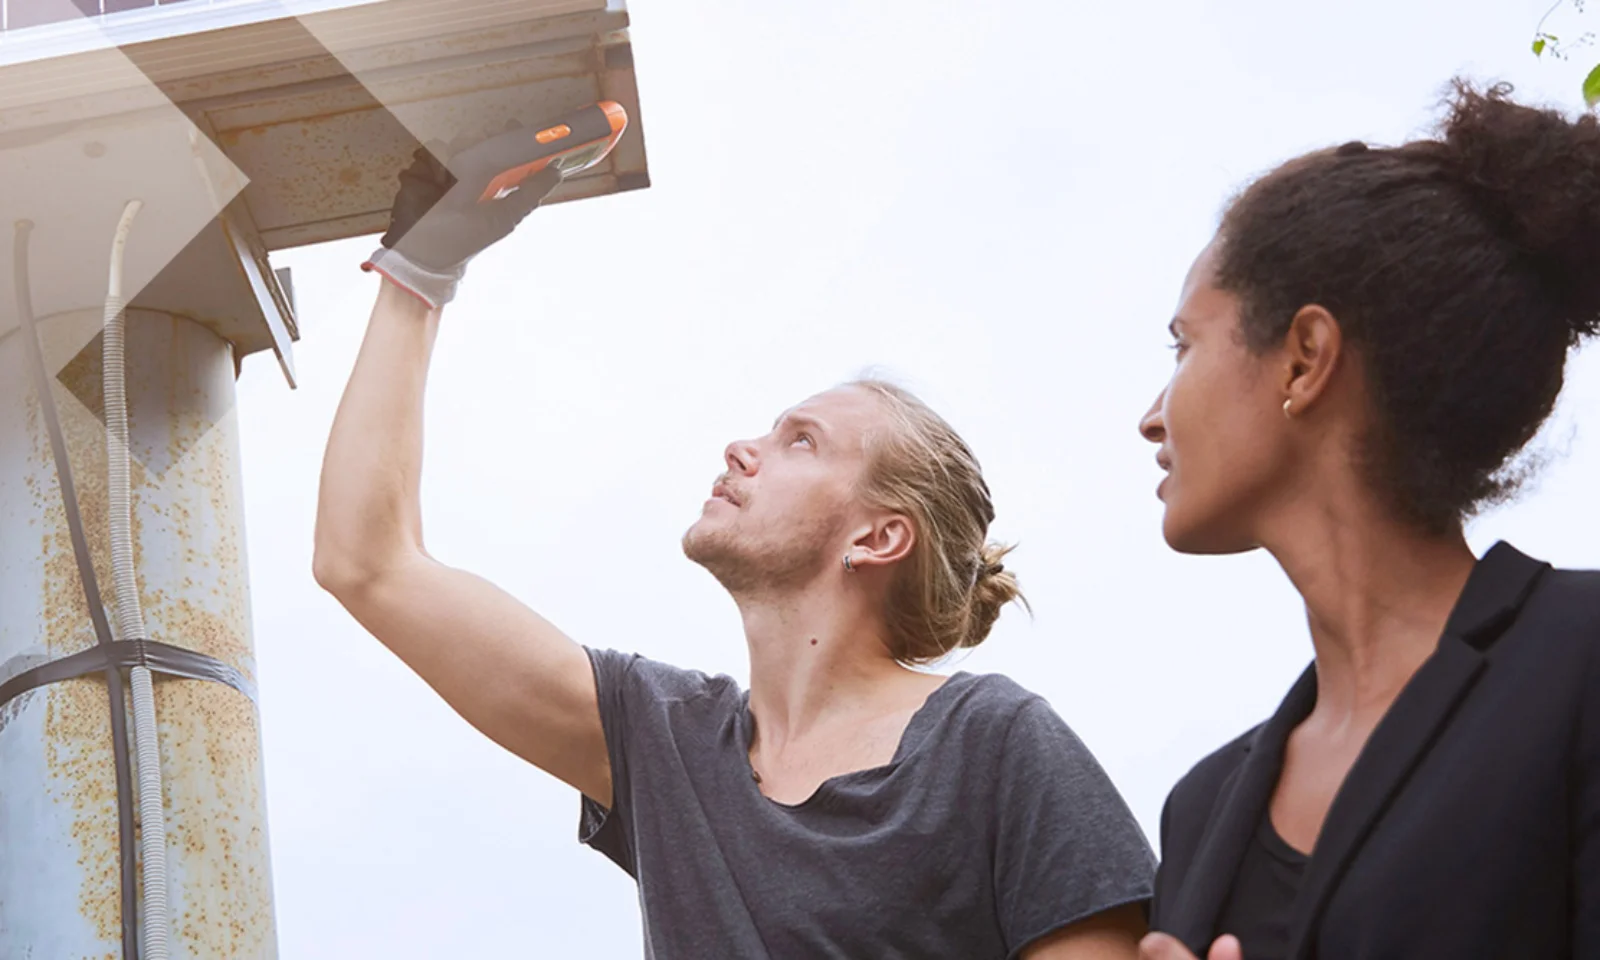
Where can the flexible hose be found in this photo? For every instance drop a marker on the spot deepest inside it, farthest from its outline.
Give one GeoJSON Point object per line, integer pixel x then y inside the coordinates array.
{"type": "Point", "coordinates": [130, 618]}
{"type": "Point", "coordinates": [91, 590]}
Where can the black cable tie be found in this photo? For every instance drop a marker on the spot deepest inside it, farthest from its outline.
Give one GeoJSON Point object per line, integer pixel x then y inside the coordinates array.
{"type": "Point", "coordinates": [156, 656]}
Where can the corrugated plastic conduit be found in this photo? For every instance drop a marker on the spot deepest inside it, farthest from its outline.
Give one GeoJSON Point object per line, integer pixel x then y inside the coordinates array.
{"type": "Point", "coordinates": [130, 616]}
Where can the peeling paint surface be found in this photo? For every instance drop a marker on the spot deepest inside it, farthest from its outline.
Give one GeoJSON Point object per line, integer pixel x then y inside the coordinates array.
{"type": "Point", "coordinates": [59, 877]}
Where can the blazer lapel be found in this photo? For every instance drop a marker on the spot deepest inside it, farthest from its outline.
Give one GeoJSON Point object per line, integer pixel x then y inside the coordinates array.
{"type": "Point", "coordinates": [1233, 821]}
{"type": "Point", "coordinates": [1494, 593]}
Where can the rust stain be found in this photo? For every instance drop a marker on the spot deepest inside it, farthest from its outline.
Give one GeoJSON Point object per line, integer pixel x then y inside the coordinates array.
{"type": "Point", "coordinates": [63, 603]}
{"type": "Point", "coordinates": [79, 763]}
{"type": "Point", "coordinates": [210, 740]}
{"type": "Point", "coordinates": [186, 624]}
{"type": "Point", "coordinates": [83, 778]}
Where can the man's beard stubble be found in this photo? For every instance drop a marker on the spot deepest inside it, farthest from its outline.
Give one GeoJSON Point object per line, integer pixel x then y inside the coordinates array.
{"type": "Point", "coordinates": [749, 569]}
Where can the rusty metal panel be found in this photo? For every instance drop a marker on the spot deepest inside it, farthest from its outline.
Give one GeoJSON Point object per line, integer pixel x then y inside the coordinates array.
{"type": "Point", "coordinates": [58, 880]}
{"type": "Point", "coordinates": [322, 155]}
{"type": "Point", "coordinates": [303, 122]}
{"type": "Point", "coordinates": [323, 163]}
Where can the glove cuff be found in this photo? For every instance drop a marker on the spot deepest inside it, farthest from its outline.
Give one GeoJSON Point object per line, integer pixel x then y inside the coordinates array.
{"type": "Point", "coordinates": [432, 287]}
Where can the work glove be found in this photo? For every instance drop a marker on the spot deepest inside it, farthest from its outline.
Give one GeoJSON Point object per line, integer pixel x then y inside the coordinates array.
{"type": "Point", "coordinates": [437, 225]}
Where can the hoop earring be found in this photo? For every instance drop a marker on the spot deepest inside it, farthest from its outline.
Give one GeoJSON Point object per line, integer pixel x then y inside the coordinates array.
{"type": "Point", "coordinates": [1286, 411]}
{"type": "Point", "coordinates": [849, 565]}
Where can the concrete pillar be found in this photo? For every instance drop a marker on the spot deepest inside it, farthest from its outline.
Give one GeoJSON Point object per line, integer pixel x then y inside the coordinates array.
{"type": "Point", "coordinates": [59, 873]}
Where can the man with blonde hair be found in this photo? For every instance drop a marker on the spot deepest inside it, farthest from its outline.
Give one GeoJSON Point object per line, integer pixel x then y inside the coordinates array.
{"type": "Point", "coordinates": [845, 805]}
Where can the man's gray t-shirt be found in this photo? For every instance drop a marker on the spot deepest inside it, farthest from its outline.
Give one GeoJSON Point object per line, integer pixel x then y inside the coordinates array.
{"type": "Point", "coordinates": [992, 826]}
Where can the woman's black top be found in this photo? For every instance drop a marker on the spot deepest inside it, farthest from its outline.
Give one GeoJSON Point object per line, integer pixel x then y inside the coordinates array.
{"type": "Point", "coordinates": [1258, 907]}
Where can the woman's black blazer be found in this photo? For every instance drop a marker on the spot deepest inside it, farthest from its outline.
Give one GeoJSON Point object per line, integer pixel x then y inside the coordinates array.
{"type": "Point", "coordinates": [1469, 826]}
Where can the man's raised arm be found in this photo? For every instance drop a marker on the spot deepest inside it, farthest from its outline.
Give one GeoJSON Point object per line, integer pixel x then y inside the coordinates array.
{"type": "Point", "coordinates": [505, 669]}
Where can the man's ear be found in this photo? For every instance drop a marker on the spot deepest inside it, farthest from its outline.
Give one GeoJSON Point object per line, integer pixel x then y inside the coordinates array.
{"type": "Point", "coordinates": [885, 542]}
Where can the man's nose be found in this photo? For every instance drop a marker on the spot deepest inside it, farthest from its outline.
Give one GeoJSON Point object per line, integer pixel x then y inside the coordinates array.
{"type": "Point", "coordinates": [741, 457]}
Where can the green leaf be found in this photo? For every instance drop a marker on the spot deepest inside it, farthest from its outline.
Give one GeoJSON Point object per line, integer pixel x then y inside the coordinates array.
{"type": "Point", "coordinates": [1591, 87]}
{"type": "Point", "coordinates": [1538, 47]}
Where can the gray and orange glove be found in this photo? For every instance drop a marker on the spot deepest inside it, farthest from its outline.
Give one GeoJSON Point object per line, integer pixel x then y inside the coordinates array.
{"type": "Point", "coordinates": [437, 225]}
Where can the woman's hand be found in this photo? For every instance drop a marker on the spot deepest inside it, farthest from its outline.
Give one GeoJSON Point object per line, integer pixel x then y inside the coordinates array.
{"type": "Point", "coordinates": [1160, 946]}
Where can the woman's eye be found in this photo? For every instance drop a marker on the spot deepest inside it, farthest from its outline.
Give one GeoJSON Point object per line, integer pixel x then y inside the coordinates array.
{"type": "Point", "coordinates": [804, 438]}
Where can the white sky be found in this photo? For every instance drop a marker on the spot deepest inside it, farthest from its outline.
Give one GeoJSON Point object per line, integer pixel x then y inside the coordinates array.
{"type": "Point", "coordinates": [997, 204]}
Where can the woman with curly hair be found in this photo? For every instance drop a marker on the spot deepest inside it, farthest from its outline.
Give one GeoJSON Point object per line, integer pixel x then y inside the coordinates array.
{"type": "Point", "coordinates": [1362, 350]}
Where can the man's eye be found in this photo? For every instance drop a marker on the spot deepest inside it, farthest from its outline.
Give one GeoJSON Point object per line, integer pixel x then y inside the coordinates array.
{"type": "Point", "coordinates": [804, 438]}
